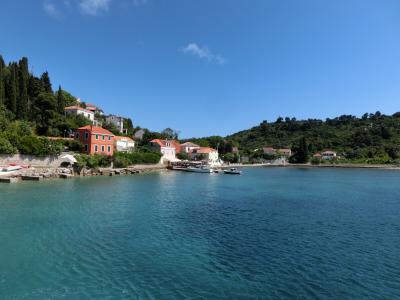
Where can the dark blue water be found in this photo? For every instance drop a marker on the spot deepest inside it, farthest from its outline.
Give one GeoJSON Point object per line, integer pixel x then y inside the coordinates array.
{"type": "Point", "coordinates": [270, 233]}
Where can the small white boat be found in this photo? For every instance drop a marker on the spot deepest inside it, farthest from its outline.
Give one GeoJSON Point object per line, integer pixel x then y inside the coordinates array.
{"type": "Point", "coordinates": [202, 169]}
{"type": "Point", "coordinates": [233, 171]}
{"type": "Point", "coordinates": [11, 168]}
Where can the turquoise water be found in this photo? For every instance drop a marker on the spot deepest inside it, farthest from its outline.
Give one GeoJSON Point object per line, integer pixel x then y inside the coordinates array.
{"type": "Point", "coordinates": [270, 233]}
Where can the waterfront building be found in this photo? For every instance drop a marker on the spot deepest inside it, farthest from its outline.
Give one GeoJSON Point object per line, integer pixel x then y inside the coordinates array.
{"type": "Point", "coordinates": [95, 140]}
{"type": "Point", "coordinates": [285, 152]}
{"type": "Point", "coordinates": [269, 150]}
{"type": "Point", "coordinates": [205, 153]}
{"type": "Point", "coordinates": [317, 155]}
{"type": "Point", "coordinates": [188, 147]}
{"type": "Point", "coordinates": [328, 155]}
{"type": "Point", "coordinates": [124, 144]}
{"type": "Point", "coordinates": [166, 147]}
{"type": "Point", "coordinates": [76, 110]}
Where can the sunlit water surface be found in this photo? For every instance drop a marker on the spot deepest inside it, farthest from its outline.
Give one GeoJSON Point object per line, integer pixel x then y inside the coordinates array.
{"type": "Point", "coordinates": [270, 233]}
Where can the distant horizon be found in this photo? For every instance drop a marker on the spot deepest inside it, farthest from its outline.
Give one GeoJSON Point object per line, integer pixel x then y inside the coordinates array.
{"type": "Point", "coordinates": [206, 68]}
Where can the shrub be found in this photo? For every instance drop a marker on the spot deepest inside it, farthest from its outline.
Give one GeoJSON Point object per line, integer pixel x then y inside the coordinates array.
{"type": "Point", "coordinates": [122, 160]}
{"type": "Point", "coordinates": [6, 147]}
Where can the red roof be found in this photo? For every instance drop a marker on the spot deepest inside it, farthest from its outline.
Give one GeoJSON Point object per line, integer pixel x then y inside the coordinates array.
{"type": "Point", "coordinates": [205, 150]}
{"type": "Point", "coordinates": [96, 130]}
{"type": "Point", "coordinates": [75, 107]}
{"type": "Point", "coordinates": [174, 144]}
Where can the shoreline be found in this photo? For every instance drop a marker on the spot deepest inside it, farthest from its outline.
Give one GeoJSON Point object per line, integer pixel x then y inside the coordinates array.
{"type": "Point", "coordinates": [46, 173]}
{"type": "Point", "coordinates": [343, 166]}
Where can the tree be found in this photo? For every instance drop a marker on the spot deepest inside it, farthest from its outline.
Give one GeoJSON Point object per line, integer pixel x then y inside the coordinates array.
{"type": "Point", "coordinates": [301, 154]}
{"type": "Point", "coordinates": [12, 90]}
{"type": "Point", "coordinates": [60, 101]}
{"type": "Point", "coordinates": [2, 81]}
{"type": "Point", "coordinates": [46, 83]}
{"type": "Point", "coordinates": [23, 76]}
{"type": "Point", "coordinates": [169, 133]}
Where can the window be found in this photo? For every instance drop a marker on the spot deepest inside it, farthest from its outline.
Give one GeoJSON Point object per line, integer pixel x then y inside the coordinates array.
{"type": "Point", "coordinates": [97, 136]}
{"type": "Point", "coordinates": [96, 148]}
{"type": "Point", "coordinates": [108, 149]}
{"type": "Point", "coordinates": [109, 138]}
{"type": "Point", "coordinates": [86, 148]}
{"type": "Point", "coordinates": [86, 135]}
{"type": "Point", "coordinates": [77, 135]}
{"type": "Point", "coordinates": [102, 148]}
{"type": "Point", "coordinates": [103, 137]}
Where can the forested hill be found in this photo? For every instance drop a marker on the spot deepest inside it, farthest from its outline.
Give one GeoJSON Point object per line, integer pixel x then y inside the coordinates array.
{"type": "Point", "coordinates": [371, 136]}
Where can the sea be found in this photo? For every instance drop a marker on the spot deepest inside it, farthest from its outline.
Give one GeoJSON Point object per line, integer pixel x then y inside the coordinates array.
{"type": "Point", "coordinates": [270, 233]}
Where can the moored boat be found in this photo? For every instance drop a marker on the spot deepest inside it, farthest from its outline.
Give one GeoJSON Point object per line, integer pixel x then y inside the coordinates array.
{"type": "Point", "coordinates": [201, 169]}
{"type": "Point", "coordinates": [12, 168]}
{"type": "Point", "coordinates": [233, 171]}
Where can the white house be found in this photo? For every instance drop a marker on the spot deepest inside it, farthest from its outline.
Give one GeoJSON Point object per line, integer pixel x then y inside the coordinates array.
{"type": "Point", "coordinates": [124, 144]}
{"type": "Point", "coordinates": [188, 147]}
{"type": "Point", "coordinates": [166, 148]}
{"type": "Point", "coordinates": [206, 153]}
{"type": "Point", "coordinates": [76, 110]}
{"type": "Point", "coordinates": [117, 121]}
{"type": "Point", "coordinates": [328, 155]}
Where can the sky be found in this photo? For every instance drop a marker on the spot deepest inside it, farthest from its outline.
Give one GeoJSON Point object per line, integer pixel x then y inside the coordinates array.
{"type": "Point", "coordinates": [213, 67]}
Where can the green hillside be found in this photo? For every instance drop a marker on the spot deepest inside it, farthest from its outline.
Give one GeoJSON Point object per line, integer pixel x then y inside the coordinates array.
{"type": "Point", "coordinates": [371, 138]}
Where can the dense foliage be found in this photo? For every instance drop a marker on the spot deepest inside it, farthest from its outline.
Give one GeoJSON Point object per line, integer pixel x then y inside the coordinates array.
{"type": "Point", "coordinates": [122, 160]}
{"type": "Point", "coordinates": [373, 138]}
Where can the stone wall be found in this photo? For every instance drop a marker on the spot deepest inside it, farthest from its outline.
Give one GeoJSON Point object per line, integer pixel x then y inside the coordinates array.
{"type": "Point", "coordinates": [34, 161]}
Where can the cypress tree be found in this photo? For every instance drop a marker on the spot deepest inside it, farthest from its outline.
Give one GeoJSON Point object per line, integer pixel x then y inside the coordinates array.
{"type": "Point", "coordinates": [23, 76]}
{"type": "Point", "coordinates": [302, 154]}
{"type": "Point", "coordinates": [2, 81]}
{"type": "Point", "coordinates": [12, 88]}
{"type": "Point", "coordinates": [46, 83]}
{"type": "Point", "coordinates": [60, 101]}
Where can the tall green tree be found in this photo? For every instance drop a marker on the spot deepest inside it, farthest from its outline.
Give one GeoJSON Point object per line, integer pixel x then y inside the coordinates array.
{"type": "Point", "coordinates": [12, 88]}
{"type": "Point", "coordinates": [60, 100]}
{"type": "Point", "coordinates": [46, 83]}
{"type": "Point", "coordinates": [2, 81]}
{"type": "Point", "coordinates": [23, 80]}
{"type": "Point", "coordinates": [302, 154]}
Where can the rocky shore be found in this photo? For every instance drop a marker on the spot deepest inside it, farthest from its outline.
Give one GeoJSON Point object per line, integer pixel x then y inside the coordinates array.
{"type": "Point", "coordinates": [37, 174]}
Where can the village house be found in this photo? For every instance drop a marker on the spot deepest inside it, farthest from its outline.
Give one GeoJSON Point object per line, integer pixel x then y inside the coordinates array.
{"type": "Point", "coordinates": [272, 151]}
{"type": "Point", "coordinates": [76, 110]}
{"type": "Point", "coordinates": [317, 155]}
{"type": "Point", "coordinates": [328, 155]}
{"type": "Point", "coordinates": [269, 150]}
{"type": "Point", "coordinates": [117, 121]}
{"type": "Point", "coordinates": [285, 152]}
{"type": "Point", "coordinates": [124, 144]}
{"type": "Point", "coordinates": [166, 147]}
{"type": "Point", "coordinates": [205, 153]}
{"type": "Point", "coordinates": [95, 140]}
{"type": "Point", "coordinates": [235, 150]}
{"type": "Point", "coordinates": [188, 147]}
{"type": "Point", "coordinates": [93, 108]}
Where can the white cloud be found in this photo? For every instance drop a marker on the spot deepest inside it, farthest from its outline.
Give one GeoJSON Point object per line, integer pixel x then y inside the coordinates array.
{"type": "Point", "coordinates": [203, 53]}
{"type": "Point", "coordinates": [50, 9]}
{"type": "Point", "coordinates": [94, 7]}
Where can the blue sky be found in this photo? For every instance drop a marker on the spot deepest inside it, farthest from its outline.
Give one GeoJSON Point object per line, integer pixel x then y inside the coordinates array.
{"type": "Point", "coordinates": [213, 67]}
